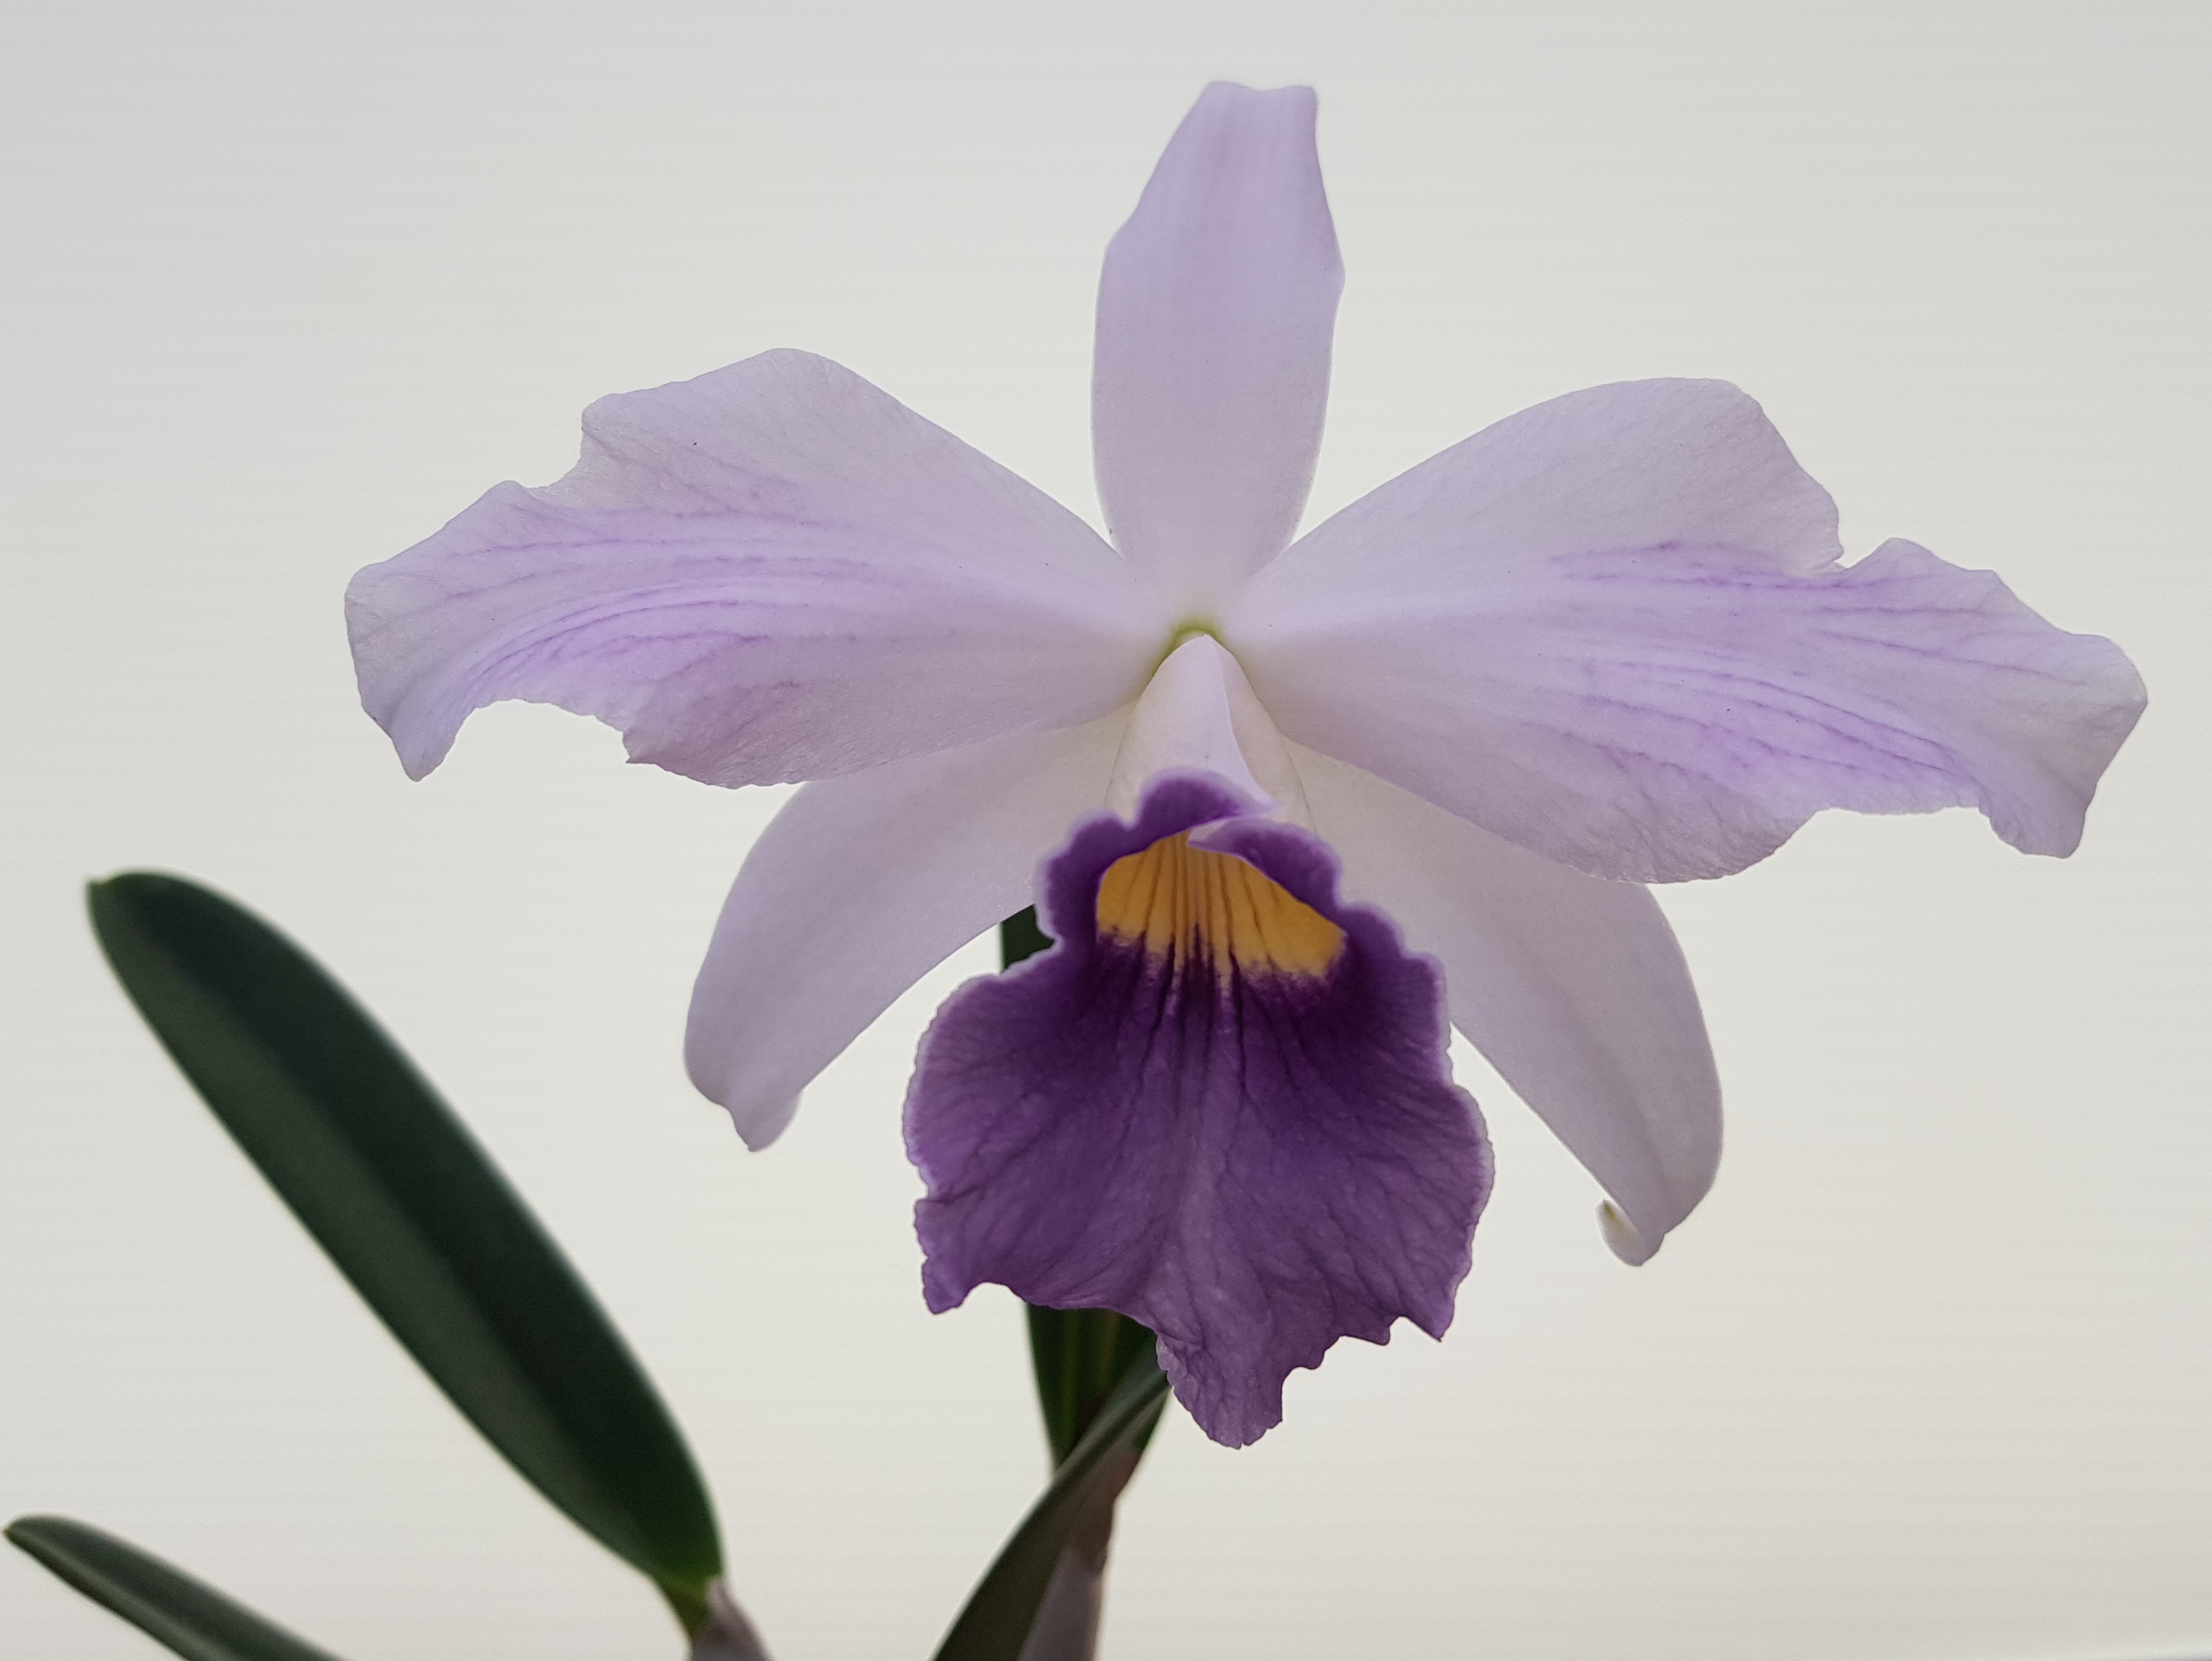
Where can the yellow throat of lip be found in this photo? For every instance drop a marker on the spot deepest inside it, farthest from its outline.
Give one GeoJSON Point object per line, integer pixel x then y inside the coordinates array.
{"type": "Point", "coordinates": [1181, 904]}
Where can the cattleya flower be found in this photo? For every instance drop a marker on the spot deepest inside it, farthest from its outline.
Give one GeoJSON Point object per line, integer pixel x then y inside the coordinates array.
{"type": "Point", "coordinates": [1287, 808]}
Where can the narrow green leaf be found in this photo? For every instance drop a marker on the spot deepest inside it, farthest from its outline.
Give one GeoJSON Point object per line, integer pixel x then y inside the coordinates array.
{"type": "Point", "coordinates": [189, 1617]}
{"type": "Point", "coordinates": [415, 1215]}
{"type": "Point", "coordinates": [1021, 936]}
{"type": "Point", "coordinates": [1079, 1355]}
{"type": "Point", "coordinates": [996, 1621]}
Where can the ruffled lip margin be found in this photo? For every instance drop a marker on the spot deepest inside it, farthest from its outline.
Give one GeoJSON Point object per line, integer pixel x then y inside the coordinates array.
{"type": "Point", "coordinates": [1253, 1166]}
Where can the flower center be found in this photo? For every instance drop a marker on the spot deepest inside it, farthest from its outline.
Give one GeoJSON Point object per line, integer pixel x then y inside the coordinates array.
{"type": "Point", "coordinates": [1190, 629]}
{"type": "Point", "coordinates": [1182, 904]}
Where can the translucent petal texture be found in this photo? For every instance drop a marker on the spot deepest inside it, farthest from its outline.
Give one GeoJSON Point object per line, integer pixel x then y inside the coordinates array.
{"type": "Point", "coordinates": [1572, 986]}
{"type": "Point", "coordinates": [1215, 313]}
{"type": "Point", "coordinates": [861, 886]}
{"type": "Point", "coordinates": [1607, 629]}
{"type": "Point", "coordinates": [773, 572]}
{"type": "Point", "coordinates": [1220, 1105]}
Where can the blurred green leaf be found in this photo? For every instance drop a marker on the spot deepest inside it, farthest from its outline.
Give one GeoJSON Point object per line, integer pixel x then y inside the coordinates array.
{"type": "Point", "coordinates": [1079, 1355]}
{"type": "Point", "coordinates": [190, 1617]}
{"type": "Point", "coordinates": [996, 1619]}
{"type": "Point", "coordinates": [417, 1216]}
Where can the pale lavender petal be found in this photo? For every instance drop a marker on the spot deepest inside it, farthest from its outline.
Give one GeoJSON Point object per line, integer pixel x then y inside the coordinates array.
{"type": "Point", "coordinates": [773, 572]}
{"type": "Point", "coordinates": [861, 886]}
{"type": "Point", "coordinates": [1572, 986]}
{"type": "Point", "coordinates": [1244, 1134]}
{"type": "Point", "coordinates": [1215, 313]}
{"type": "Point", "coordinates": [1638, 464]}
{"type": "Point", "coordinates": [1668, 696]}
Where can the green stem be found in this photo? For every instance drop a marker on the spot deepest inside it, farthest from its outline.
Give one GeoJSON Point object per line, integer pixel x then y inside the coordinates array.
{"type": "Point", "coordinates": [688, 1605]}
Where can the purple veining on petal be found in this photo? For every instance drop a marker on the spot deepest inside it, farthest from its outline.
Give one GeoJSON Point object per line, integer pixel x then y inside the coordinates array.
{"type": "Point", "coordinates": [1253, 1164]}
{"type": "Point", "coordinates": [1678, 709]}
{"type": "Point", "coordinates": [772, 572]}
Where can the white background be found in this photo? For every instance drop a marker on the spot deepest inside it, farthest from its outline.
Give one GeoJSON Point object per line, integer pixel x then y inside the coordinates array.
{"type": "Point", "coordinates": [286, 285]}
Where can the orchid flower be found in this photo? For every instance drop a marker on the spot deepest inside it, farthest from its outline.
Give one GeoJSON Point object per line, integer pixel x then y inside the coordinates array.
{"type": "Point", "coordinates": [1290, 810]}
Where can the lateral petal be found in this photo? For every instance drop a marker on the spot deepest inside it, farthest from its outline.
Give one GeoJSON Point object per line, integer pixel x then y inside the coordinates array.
{"type": "Point", "coordinates": [1215, 314]}
{"type": "Point", "coordinates": [861, 886]}
{"type": "Point", "coordinates": [1572, 986]}
{"type": "Point", "coordinates": [1607, 629]}
{"type": "Point", "coordinates": [1220, 1104]}
{"type": "Point", "coordinates": [773, 572]}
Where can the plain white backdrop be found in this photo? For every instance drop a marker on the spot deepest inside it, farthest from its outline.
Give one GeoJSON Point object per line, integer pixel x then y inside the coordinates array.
{"type": "Point", "coordinates": [288, 285]}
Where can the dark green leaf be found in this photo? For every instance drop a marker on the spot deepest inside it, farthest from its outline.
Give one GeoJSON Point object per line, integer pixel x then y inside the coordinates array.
{"type": "Point", "coordinates": [415, 1215]}
{"type": "Point", "coordinates": [996, 1622]}
{"type": "Point", "coordinates": [1021, 936]}
{"type": "Point", "coordinates": [190, 1617]}
{"type": "Point", "coordinates": [1079, 1354]}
